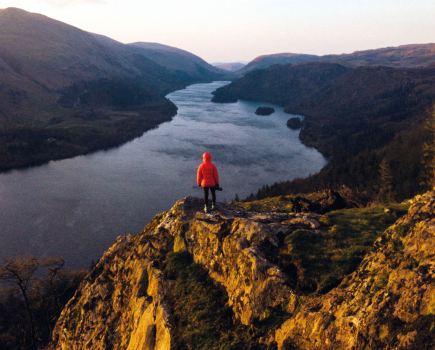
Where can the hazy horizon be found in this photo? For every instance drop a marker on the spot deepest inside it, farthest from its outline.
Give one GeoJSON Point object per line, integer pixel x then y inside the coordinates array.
{"type": "Point", "coordinates": [242, 30]}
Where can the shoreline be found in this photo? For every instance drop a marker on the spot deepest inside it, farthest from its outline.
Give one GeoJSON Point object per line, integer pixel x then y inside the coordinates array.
{"type": "Point", "coordinates": [71, 140]}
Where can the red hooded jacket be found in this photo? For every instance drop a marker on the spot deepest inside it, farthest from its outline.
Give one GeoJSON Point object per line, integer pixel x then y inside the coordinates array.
{"type": "Point", "coordinates": [207, 173]}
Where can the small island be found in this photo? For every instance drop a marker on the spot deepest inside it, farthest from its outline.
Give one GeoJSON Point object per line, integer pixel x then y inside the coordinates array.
{"type": "Point", "coordinates": [264, 110]}
{"type": "Point", "coordinates": [294, 123]}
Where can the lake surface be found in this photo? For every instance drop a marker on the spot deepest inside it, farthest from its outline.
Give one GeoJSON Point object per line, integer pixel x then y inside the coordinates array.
{"type": "Point", "coordinates": [75, 208]}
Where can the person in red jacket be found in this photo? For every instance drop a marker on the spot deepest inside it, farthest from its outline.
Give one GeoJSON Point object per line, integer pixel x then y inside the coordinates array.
{"type": "Point", "coordinates": [208, 178]}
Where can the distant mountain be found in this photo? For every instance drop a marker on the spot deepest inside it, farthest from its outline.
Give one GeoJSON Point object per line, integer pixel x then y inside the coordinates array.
{"type": "Point", "coordinates": [85, 89]}
{"type": "Point", "coordinates": [406, 56]}
{"type": "Point", "coordinates": [177, 60]}
{"type": "Point", "coordinates": [40, 55]}
{"type": "Point", "coordinates": [266, 61]}
{"type": "Point", "coordinates": [232, 67]}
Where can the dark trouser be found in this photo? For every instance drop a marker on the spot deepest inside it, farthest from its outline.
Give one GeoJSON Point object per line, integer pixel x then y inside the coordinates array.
{"type": "Point", "coordinates": [213, 195]}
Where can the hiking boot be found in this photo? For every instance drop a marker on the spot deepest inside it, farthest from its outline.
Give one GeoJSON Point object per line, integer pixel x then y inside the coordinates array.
{"type": "Point", "coordinates": [206, 209]}
{"type": "Point", "coordinates": [213, 207]}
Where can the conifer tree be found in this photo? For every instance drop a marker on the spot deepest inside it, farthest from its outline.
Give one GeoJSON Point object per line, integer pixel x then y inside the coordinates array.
{"type": "Point", "coordinates": [386, 188]}
{"type": "Point", "coordinates": [428, 178]}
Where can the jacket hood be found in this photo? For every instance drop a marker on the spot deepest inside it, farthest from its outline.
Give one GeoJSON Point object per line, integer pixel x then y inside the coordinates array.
{"type": "Point", "coordinates": [206, 157]}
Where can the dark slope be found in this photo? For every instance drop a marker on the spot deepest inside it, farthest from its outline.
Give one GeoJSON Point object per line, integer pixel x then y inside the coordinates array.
{"type": "Point", "coordinates": [280, 84]}
{"type": "Point", "coordinates": [48, 56]}
{"type": "Point", "coordinates": [55, 54]}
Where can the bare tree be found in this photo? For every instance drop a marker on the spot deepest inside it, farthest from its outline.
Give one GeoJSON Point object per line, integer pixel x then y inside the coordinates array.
{"type": "Point", "coordinates": [53, 266]}
{"type": "Point", "coordinates": [19, 273]}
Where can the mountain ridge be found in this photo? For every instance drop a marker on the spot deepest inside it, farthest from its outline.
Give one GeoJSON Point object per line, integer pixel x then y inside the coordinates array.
{"type": "Point", "coordinates": [403, 56]}
{"type": "Point", "coordinates": [232, 67]}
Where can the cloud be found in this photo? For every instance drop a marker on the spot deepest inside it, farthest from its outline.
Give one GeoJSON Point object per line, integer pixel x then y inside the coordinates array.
{"type": "Point", "coordinates": [64, 3]}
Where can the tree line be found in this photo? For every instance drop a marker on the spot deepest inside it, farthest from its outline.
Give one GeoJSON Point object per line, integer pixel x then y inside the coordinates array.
{"type": "Point", "coordinates": [398, 171]}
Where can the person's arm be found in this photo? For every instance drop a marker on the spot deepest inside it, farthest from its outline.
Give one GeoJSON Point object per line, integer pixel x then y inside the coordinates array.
{"type": "Point", "coordinates": [216, 175]}
{"type": "Point", "coordinates": [199, 175]}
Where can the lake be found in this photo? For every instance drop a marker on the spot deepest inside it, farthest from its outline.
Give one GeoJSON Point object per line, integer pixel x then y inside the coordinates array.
{"type": "Point", "coordinates": [75, 208]}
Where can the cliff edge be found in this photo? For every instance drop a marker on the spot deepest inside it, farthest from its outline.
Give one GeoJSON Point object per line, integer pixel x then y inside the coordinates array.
{"type": "Point", "coordinates": [145, 293]}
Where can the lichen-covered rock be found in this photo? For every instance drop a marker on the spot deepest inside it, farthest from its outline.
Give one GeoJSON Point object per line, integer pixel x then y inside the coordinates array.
{"type": "Point", "coordinates": [387, 303]}
{"type": "Point", "coordinates": [121, 304]}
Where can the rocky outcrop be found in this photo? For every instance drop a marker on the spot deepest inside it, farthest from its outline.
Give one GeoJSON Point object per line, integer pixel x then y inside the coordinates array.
{"type": "Point", "coordinates": [120, 305]}
{"type": "Point", "coordinates": [123, 304]}
{"type": "Point", "coordinates": [126, 302]}
{"type": "Point", "coordinates": [265, 111]}
{"type": "Point", "coordinates": [387, 303]}
{"type": "Point", "coordinates": [295, 123]}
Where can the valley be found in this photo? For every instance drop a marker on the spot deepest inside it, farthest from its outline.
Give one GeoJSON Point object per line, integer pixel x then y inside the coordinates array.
{"type": "Point", "coordinates": [323, 235]}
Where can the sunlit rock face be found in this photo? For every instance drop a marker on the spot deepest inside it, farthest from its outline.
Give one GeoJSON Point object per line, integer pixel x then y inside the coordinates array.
{"type": "Point", "coordinates": [388, 302]}
{"type": "Point", "coordinates": [122, 304]}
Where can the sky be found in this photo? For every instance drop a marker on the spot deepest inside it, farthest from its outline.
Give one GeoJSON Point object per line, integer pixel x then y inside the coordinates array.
{"type": "Point", "coordinates": [241, 30]}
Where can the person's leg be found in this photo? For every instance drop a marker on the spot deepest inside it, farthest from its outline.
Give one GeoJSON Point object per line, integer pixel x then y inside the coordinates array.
{"type": "Point", "coordinates": [205, 196]}
{"type": "Point", "coordinates": [213, 197]}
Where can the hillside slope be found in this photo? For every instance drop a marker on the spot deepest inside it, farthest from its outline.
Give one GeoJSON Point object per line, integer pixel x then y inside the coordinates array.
{"type": "Point", "coordinates": [54, 56]}
{"type": "Point", "coordinates": [347, 110]}
{"type": "Point", "coordinates": [196, 281]}
{"type": "Point", "coordinates": [178, 60]}
{"type": "Point", "coordinates": [405, 56]}
{"type": "Point", "coordinates": [266, 61]}
{"type": "Point", "coordinates": [65, 92]}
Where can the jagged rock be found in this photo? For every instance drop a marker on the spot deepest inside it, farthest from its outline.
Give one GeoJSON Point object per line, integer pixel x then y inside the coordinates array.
{"type": "Point", "coordinates": [122, 304]}
{"type": "Point", "coordinates": [304, 222]}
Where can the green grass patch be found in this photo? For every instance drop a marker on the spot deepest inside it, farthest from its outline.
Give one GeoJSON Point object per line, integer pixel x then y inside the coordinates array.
{"type": "Point", "coordinates": [201, 315]}
{"type": "Point", "coordinates": [323, 259]}
{"type": "Point", "coordinates": [280, 204]}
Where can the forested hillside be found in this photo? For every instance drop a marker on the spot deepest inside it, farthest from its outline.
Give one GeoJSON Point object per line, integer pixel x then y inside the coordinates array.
{"type": "Point", "coordinates": [356, 117]}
